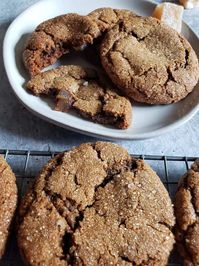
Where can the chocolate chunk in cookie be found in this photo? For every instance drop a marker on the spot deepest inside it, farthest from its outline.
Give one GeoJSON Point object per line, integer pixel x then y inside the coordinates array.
{"type": "Point", "coordinates": [187, 216]}
{"type": "Point", "coordinates": [96, 205]}
{"type": "Point", "coordinates": [149, 61]}
{"type": "Point", "coordinates": [82, 90]}
{"type": "Point", "coordinates": [8, 202]}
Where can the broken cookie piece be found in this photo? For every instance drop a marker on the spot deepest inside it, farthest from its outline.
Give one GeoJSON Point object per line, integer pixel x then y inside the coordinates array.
{"type": "Point", "coordinates": [82, 90]}
{"type": "Point", "coordinates": [96, 205]}
{"type": "Point", "coordinates": [56, 37]}
{"type": "Point", "coordinates": [187, 216]}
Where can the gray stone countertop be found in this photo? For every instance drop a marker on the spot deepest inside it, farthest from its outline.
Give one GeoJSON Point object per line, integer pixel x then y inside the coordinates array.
{"type": "Point", "coordinates": [19, 129]}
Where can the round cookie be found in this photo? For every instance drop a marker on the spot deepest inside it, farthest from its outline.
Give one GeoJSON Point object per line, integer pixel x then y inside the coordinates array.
{"type": "Point", "coordinates": [58, 36]}
{"type": "Point", "coordinates": [8, 202]}
{"type": "Point", "coordinates": [82, 90]}
{"type": "Point", "coordinates": [149, 61]}
{"type": "Point", "coordinates": [187, 216]}
{"type": "Point", "coordinates": [96, 205]}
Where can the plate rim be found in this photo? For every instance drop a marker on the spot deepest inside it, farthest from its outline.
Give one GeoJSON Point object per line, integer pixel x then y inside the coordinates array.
{"type": "Point", "coordinates": [103, 135]}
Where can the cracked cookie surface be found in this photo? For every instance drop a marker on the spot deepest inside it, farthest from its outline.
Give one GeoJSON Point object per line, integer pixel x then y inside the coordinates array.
{"type": "Point", "coordinates": [8, 201]}
{"type": "Point", "coordinates": [82, 90]}
{"type": "Point", "coordinates": [58, 36]}
{"type": "Point", "coordinates": [187, 218]}
{"type": "Point", "coordinates": [96, 205]}
{"type": "Point", "coordinates": [149, 61]}
{"type": "Point", "coordinates": [105, 18]}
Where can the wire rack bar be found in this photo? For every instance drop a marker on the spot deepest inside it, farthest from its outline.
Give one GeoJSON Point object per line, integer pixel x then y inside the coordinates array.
{"type": "Point", "coordinates": [7, 152]}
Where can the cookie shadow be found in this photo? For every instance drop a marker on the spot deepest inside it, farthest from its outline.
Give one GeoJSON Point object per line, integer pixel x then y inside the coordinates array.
{"type": "Point", "coordinates": [78, 58]}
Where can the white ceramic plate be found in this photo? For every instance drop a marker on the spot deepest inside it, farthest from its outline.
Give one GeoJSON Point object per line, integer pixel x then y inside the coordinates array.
{"type": "Point", "coordinates": [148, 121]}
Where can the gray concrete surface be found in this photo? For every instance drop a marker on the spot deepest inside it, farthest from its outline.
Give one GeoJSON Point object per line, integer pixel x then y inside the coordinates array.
{"type": "Point", "coordinates": [19, 129]}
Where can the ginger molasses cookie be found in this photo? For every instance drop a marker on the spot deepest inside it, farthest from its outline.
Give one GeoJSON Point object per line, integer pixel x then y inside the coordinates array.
{"type": "Point", "coordinates": [96, 205]}
{"type": "Point", "coordinates": [59, 35]}
{"type": "Point", "coordinates": [187, 216]}
{"type": "Point", "coordinates": [107, 17]}
{"type": "Point", "coordinates": [8, 202]}
{"type": "Point", "coordinates": [82, 90]}
{"type": "Point", "coordinates": [149, 61]}
{"type": "Point", "coordinates": [56, 37]}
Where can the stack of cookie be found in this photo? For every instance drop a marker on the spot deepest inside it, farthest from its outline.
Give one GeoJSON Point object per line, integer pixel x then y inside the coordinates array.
{"type": "Point", "coordinates": [145, 60]}
{"type": "Point", "coordinates": [97, 205]}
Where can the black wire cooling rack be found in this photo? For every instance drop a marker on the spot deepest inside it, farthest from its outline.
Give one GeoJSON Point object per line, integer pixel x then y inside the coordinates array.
{"type": "Point", "coordinates": [27, 163]}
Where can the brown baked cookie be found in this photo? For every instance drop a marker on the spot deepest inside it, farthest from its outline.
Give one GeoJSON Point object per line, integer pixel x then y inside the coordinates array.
{"type": "Point", "coordinates": [8, 202]}
{"type": "Point", "coordinates": [107, 17]}
{"type": "Point", "coordinates": [61, 34]}
{"type": "Point", "coordinates": [187, 216]}
{"type": "Point", "coordinates": [56, 37]}
{"type": "Point", "coordinates": [96, 205]}
{"type": "Point", "coordinates": [149, 61]}
{"type": "Point", "coordinates": [82, 90]}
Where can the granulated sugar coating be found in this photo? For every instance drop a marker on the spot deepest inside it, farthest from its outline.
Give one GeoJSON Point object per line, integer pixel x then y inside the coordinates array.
{"type": "Point", "coordinates": [8, 201]}
{"type": "Point", "coordinates": [187, 218]}
{"type": "Point", "coordinates": [58, 36]}
{"type": "Point", "coordinates": [149, 61]}
{"type": "Point", "coordinates": [96, 205]}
